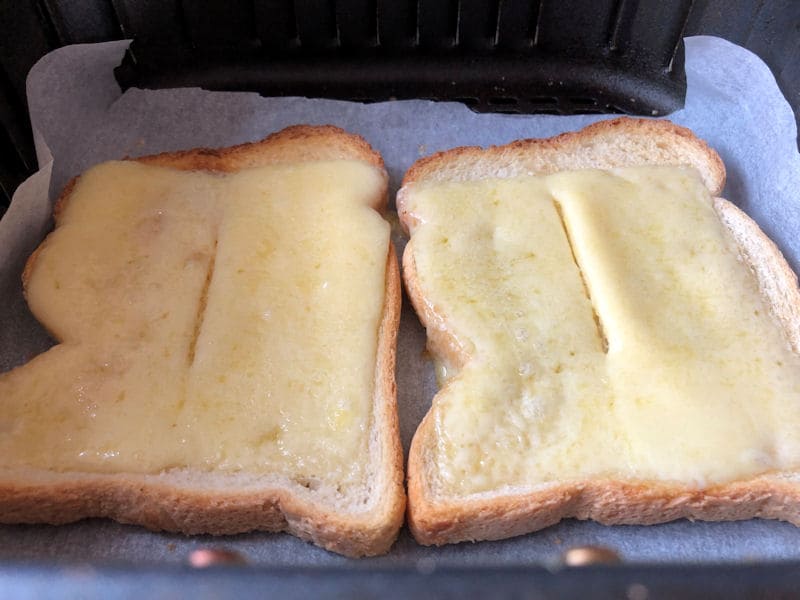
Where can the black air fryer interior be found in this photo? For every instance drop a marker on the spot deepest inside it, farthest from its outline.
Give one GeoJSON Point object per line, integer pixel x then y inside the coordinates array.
{"type": "Point", "coordinates": [518, 56]}
{"type": "Point", "coordinates": [544, 56]}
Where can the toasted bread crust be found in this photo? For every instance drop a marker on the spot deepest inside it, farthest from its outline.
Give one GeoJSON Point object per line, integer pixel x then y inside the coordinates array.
{"type": "Point", "coordinates": [776, 280]}
{"type": "Point", "coordinates": [609, 502]}
{"type": "Point", "coordinates": [504, 513]}
{"type": "Point", "coordinates": [178, 501]}
{"type": "Point", "coordinates": [298, 143]}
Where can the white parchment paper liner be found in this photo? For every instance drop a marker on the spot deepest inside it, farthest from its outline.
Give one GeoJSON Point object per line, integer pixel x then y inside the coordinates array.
{"type": "Point", "coordinates": [80, 117]}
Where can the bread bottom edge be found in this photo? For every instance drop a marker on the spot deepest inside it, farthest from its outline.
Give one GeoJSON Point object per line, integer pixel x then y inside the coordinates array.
{"type": "Point", "coordinates": [606, 502]}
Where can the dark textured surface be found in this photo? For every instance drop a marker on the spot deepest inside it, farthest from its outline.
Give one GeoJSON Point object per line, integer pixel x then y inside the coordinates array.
{"type": "Point", "coordinates": [760, 25]}
{"type": "Point", "coordinates": [590, 56]}
{"type": "Point", "coordinates": [612, 55]}
{"type": "Point", "coordinates": [420, 582]}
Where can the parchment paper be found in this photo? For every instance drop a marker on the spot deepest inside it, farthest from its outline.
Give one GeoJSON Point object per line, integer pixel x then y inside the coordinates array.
{"type": "Point", "coordinates": [81, 118]}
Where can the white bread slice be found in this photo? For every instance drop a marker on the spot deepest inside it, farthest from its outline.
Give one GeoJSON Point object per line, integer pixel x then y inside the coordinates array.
{"type": "Point", "coordinates": [440, 518]}
{"type": "Point", "coordinates": [363, 521]}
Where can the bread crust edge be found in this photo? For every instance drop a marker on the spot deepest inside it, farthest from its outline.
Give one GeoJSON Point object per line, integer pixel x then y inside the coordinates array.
{"type": "Point", "coordinates": [658, 134]}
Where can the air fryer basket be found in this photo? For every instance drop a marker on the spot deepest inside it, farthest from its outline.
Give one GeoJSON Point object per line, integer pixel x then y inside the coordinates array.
{"type": "Point", "coordinates": [511, 56]}
{"type": "Point", "coordinates": [542, 56]}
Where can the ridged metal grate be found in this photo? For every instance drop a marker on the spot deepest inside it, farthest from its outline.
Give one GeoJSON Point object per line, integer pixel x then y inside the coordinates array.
{"type": "Point", "coordinates": [515, 56]}
{"type": "Point", "coordinates": [500, 55]}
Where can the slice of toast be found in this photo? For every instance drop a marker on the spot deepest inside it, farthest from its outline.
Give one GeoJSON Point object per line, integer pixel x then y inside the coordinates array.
{"type": "Point", "coordinates": [526, 467]}
{"type": "Point", "coordinates": [227, 321]}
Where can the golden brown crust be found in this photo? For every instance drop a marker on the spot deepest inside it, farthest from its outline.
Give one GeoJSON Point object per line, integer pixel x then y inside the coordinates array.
{"type": "Point", "coordinates": [162, 503]}
{"type": "Point", "coordinates": [391, 467]}
{"type": "Point", "coordinates": [661, 139]}
{"type": "Point", "coordinates": [161, 506]}
{"type": "Point", "coordinates": [609, 502]}
{"type": "Point", "coordinates": [58, 209]}
{"type": "Point", "coordinates": [297, 143]}
{"type": "Point", "coordinates": [440, 520]}
{"type": "Point", "coordinates": [776, 280]}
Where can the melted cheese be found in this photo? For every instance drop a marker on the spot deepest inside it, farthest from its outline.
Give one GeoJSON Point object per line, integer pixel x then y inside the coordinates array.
{"type": "Point", "coordinates": [208, 321]}
{"type": "Point", "coordinates": [609, 329]}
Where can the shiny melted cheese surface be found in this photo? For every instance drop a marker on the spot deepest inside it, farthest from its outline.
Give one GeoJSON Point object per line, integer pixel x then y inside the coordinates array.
{"type": "Point", "coordinates": [208, 321]}
{"type": "Point", "coordinates": [608, 329]}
